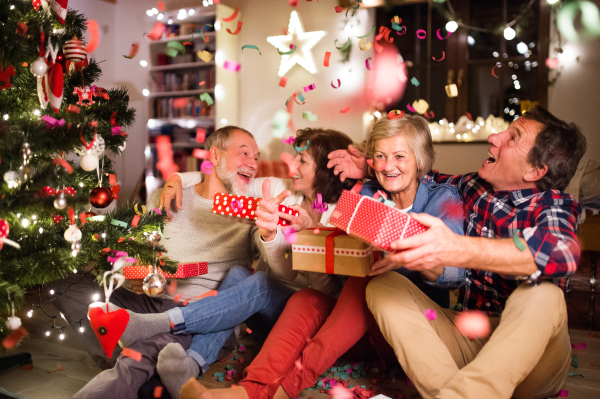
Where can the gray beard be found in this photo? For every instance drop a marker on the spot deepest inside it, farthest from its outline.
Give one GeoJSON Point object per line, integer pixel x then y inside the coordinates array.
{"type": "Point", "coordinates": [228, 179]}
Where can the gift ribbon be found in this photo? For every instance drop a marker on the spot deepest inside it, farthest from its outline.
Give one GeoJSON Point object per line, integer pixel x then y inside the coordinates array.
{"type": "Point", "coordinates": [52, 122]}
{"type": "Point", "coordinates": [329, 245]}
{"type": "Point", "coordinates": [109, 288]}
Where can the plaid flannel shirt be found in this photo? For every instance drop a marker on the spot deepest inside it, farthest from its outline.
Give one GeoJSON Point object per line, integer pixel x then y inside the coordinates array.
{"type": "Point", "coordinates": [546, 220]}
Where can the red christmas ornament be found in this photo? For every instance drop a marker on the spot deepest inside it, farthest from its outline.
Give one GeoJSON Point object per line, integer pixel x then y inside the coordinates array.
{"type": "Point", "coordinates": [85, 94]}
{"type": "Point", "coordinates": [101, 197]}
{"type": "Point", "coordinates": [108, 327]}
{"type": "Point", "coordinates": [55, 86]}
{"type": "Point", "coordinates": [60, 9]}
{"type": "Point", "coordinates": [36, 4]}
{"type": "Point", "coordinates": [75, 50]}
{"type": "Point", "coordinates": [5, 77]}
{"type": "Point", "coordinates": [57, 219]}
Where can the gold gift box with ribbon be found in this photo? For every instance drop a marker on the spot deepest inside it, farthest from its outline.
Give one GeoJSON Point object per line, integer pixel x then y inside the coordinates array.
{"type": "Point", "coordinates": [332, 251]}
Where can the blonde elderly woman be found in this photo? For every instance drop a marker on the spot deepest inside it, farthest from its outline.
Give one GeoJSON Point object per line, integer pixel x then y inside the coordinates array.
{"type": "Point", "coordinates": [401, 153]}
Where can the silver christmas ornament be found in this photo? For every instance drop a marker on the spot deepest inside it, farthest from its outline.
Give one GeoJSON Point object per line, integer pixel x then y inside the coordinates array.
{"type": "Point", "coordinates": [39, 67]}
{"type": "Point", "coordinates": [12, 179]}
{"type": "Point", "coordinates": [154, 238]}
{"type": "Point", "coordinates": [154, 284]}
{"type": "Point", "coordinates": [60, 202]}
{"type": "Point", "coordinates": [24, 173]}
{"type": "Point", "coordinates": [13, 322]}
{"type": "Point", "coordinates": [97, 149]}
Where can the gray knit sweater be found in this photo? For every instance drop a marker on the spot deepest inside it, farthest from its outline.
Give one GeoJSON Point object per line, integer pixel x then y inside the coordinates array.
{"type": "Point", "coordinates": [197, 235]}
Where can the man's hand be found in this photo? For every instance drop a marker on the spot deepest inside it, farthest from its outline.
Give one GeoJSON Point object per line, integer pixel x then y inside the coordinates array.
{"type": "Point", "coordinates": [300, 222]}
{"type": "Point", "coordinates": [435, 248]}
{"type": "Point", "coordinates": [192, 389]}
{"type": "Point", "coordinates": [137, 286]}
{"type": "Point", "coordinates": [268, 213]}
{"type": "Point", "coordinates": [382, 266]}
{"type": "Point", "coordinates": [171, 190]}
{"type": "Point", "coordinates": [349, 164]}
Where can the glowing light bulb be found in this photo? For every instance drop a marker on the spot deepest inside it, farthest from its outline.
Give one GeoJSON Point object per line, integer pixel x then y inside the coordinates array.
{"type": "Point", "coordinates": [47, 333]}
{"type": "Point", "coordinates": [160, 16]}
{"type": "Point", "coordinates": [451, 26]}
{"type": "Point", "coordinates": [30, 313]}
{"type": "Point", "coordinates": [25, 223]}
{"type": "Point", "coordinates": [51, 292]}
{"type": "Point", "coordinates": [146, 92]}
{"type": "Point", "coordinates": [81, 329]}
{"type": "Point", "coordinates": [144, 63]}
{"type": "Point", "coordinates": [509, 33]}
{"type": "Point", "coordinates": [36, 112]}
{"type": "Point", "coordinates": [41, 230]}
{"type": "Point", "coordinates": [551, 1]}
{"type": "Point", "coordinates": [96, 296]}
{"type": "Point", "coordinates": [61, 336]}
{"type": "Point", "coordinates": [522, 48]}
{"type": "Point", "coordinates": [149, 13]}
{"type": "Point", "coordinates": [458, 136]}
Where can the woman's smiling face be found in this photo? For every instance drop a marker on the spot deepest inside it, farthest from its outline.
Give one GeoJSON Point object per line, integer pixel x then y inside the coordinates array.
{"type": "Point", "coordinates": [395, 164]}
{"type": "Point", "coordinates": [304, 174]}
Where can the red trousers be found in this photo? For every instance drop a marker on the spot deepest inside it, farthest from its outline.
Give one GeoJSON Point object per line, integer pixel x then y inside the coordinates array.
{"type": "Point", "coordinates": [310, 335]}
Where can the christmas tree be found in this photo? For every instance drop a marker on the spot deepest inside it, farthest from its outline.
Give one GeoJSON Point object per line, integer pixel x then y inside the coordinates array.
{"type": "Point", "coordinates": [49, 109]}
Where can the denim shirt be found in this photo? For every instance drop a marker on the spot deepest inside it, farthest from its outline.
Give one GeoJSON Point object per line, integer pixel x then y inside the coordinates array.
{"type": "Point", "coordinates": [442, 201]}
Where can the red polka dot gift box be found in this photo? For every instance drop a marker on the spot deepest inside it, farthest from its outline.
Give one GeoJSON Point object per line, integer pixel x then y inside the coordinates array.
{"type": "Point", "coordinates": [332, 251]}
{"type": "Point", "coordinates": [373, 221]}
{"type": "Point", "coordinates": [184, 270]}
{"type": "Point", "coordinates": [244, 208]}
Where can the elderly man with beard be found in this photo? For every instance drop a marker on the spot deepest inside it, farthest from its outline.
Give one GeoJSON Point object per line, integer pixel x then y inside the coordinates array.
{"type": "Point", "coordinates": [195, 234]}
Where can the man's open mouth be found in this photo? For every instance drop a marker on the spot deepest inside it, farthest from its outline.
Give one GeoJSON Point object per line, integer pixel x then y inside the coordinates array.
{"type": "Point", "coordinates": [245, 176]}
{"type": "Point", "coordinates": [491, 159]}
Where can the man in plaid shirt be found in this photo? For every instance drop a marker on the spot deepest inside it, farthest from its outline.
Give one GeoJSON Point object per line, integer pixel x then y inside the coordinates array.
{"type": "Point", "coordinates": [520, 246]}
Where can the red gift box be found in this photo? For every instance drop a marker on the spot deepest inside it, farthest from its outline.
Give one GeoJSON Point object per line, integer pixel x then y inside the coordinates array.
{"type": "Point", "coordinates": [372, 221]}
{"type": "Point", "coordinates": [184, 270]}
{"type": "Point", "coordinates": [244, 207]}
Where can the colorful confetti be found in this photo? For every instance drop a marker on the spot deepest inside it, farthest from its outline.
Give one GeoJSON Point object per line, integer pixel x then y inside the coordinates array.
{"type": "Point", "coordinates": [133, 50]}
{"type": "Point", "coordinates": [345, 110]}
{"type": "Point", "coordinates": [326, 59]}
{"type": "Point", "coordinates": [231, 66]}
{"type": "Point", "coordinates": [430, 314]}
{"type": "Point", "coordinates": [309, 116]}
{"type": "Point", "coordinates": [252, 46]}
{"type": "Point", "coordinates": [237, 30]}
{"type": "Point", "coordinates": [283, 81]}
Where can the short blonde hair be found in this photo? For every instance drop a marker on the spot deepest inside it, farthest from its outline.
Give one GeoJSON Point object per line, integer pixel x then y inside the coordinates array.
{"type": "Point", "coordinates": [416, 131]}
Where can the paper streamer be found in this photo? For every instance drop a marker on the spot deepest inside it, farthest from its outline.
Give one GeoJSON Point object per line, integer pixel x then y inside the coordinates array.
{"type": "Point", "coordinates": [395, 114]}
{"type": "Point", "coordinates": [441, 59]}
{"type": "Point", "coordinates": [338, 83]}
{"type": "Point", "coordinates": [581, 345]}
{"type": "Point", "coordinates": [201, 154]}
{"type": "Point", "coordinates": [52, 122]}
{"type": "Point", "coordinates": [237, 30]}
{"type": "Point", "coordinates": [232, 16]}
{"type": "Point", "coordinates": [207, 98]}
{"type": "Point", "coordinates": [338, 9]}
{"type": "Point", "coordinates": [303, 148]}
{"type": "Point", "coordinates": [252, 46]}
{"type": "Point", "coordinates": [410, 108]}
{"type": "Point", "coordinates": [493, 71]}
{"type": "Point", "coordinates": [94, 31]}
{"type": "Point", "coordinates": [135, 355]}
{"type": "Point", "coordinates": [283, 81]}
{"type": "Point", "coordinates": [309, 116]}
{"type": "Point", "coordinates": [368, 34]}
{"type": "Point", "coordinates": [156, 32]}
{"type": "Point", "coordinates": [292, 49]}
{"type": "Point", "coordinates": [429, 114]}
{"type": "Point", "coordinates": [73, 109]}
{"type": "Point", "coordinates": [174, 47]}
{"type": "Point", "coordinates": [344, 47]}
{"type": "Point", "coordinates": [437, 32]}
{"type": "Point", "coordinates": [421, 34]}
{"type": "Point", "coordinates": [430, 314]}
{"type": "Point", "coordinates": [289, 140]}
{"type": "Point", "coordinates": [64, 164]}
{"type": "Point", "coordinates": [118, 223]}
{"type": "Point", "coordinates": [415, 81]}
{"type": "Point", "coordinates": [326, 59]}
{"type": "Point", "coordinates": [204, 55]}
{"type": "Point", "coordinates": [309, 87]}
{"type": "Point", "coordinates": [345, 110]}
{"type": "Point", "coordinates": [135, 220]}
{"type": "Point", "coordinates": [363, 45]}
{"type": "Point", "coordinates": [133, 50]}
{"type": "Point", "coordinates": [206, 167]}
{"type": "Point", "coordinates": [369, 67]}
{"type": "Point", "coordinates": [231, 66]}
{"type": "Point", "coordinates": [200, 135]}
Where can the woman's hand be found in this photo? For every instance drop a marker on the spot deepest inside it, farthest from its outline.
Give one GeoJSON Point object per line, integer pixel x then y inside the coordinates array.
{"type": "Point", "coordinates": [172, 189]}
{"type": "Point", "coordinates": [300, 222]}
{"type": "Point", "coordinates": [350, 164]}
{"type": "Point", "coordinates": [268, 213]}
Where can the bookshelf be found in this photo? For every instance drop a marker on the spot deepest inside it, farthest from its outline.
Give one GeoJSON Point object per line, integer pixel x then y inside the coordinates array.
{"type": "Point", "coordinates": [177, 82]}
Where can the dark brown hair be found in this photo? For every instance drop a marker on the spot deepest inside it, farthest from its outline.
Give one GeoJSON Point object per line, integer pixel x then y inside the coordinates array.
{"type": "Point", "coordinates": [322, 142]}
{"type": "Point", "coordinates": [559, 145]}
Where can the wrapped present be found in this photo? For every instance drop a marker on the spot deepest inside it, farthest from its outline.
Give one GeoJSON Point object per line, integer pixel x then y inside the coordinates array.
{"type": "Point", "coordinates": [184, 270]}
{"type": "Point", "coordinates": [242, 207]}
{"type": "Point", "coordinates": [332, 251]}
{"type": "Point", "coordinates": [372, 220]}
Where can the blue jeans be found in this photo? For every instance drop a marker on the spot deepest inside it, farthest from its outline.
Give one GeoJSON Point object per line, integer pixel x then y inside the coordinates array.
{"type": "Point", "coordinates": [212, 319]}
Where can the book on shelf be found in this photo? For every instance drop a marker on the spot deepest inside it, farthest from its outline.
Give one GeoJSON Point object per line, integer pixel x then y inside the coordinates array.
{"type": "Point", "coordinates": [185, 80]}
{"type": "Point", "coordinates": [179, 107]}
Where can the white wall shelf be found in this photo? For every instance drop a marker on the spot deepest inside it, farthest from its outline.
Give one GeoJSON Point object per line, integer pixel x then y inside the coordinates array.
{"type": "Point", "coordinates": [180, 93]}
{"type": "Point", "coordinates": [185, 65]}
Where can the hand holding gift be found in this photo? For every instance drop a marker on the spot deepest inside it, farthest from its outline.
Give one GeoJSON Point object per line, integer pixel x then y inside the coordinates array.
{"type": "Point", "coordinates": [432, 249]}
{"type": "Point", "coordinates": [268, 212]}
{"type": "Point", "coordinates": [298, 222]}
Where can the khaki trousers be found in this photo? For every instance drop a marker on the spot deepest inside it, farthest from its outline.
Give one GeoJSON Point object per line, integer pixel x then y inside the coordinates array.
{"type": "Point", "coordinates": [527, 356]}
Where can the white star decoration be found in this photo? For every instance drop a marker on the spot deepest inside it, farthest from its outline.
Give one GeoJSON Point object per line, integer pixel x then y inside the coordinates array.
{"type": "Point", "coordinates": [303, 41]}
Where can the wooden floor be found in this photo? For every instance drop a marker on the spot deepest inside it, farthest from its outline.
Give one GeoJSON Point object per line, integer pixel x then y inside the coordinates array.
{"type": "Point", "coordinates": [61, 368]}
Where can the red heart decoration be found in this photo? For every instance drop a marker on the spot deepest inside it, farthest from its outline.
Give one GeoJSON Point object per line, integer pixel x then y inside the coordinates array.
{"type": "Point", "coordinates": [57, 219]}
{"type": "Point", "coordinates": [36, 4]}
{"type": "Point", "coordinates": [108, 327]}
{"type": "Point", "coordinates": [4, 228]}
{"type": "Point", "coordinates": [69, 191]}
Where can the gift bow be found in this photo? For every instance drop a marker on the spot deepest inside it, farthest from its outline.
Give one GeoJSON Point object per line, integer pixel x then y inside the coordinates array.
{"type": "Point", "coordinates": [52, 122]}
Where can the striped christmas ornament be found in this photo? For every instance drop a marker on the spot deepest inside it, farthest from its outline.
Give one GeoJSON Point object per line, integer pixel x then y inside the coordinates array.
{"type": "Point", "coordinates": [74, 50]}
